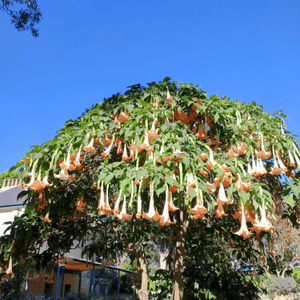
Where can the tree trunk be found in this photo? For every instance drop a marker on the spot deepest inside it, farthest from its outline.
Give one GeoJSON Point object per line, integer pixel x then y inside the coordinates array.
{"type": "Point", "coordinates": [283, 272]}
{"type": "Point", "coordinates": [143, 293]}
{"type": "Point", "coordinates": [181, 226]}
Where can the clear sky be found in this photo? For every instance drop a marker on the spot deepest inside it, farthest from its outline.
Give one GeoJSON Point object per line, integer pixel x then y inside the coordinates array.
{"type": "Point", "coordinates": [88, 50]}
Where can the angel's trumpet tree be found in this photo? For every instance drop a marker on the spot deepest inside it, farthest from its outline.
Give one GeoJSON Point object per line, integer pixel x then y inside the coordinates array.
{"type": "Point", "coordinates": [190, 151]}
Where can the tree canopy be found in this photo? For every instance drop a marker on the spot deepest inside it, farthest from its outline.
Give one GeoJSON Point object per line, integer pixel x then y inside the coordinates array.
{"type": "Point", "coordinates": [164, 153]}
{"type": "Point", "coordinates": [26, 15]}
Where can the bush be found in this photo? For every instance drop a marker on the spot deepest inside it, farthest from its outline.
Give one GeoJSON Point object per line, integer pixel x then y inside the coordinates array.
{"type": "Point", "coordinates": [296, 275]}
{"type": "Point", "coordinates": [281, 286]}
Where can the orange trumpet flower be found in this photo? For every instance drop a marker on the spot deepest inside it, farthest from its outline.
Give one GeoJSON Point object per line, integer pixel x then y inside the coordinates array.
{"type": "Point", "coordinates": [165, 217]}
{"type": "Point", "coordinates": [199, 210]}
{"type": "Point", "coordinates": [47, 218]}
{"type": "Point", "coordinates": [152, 134]}
{"type": "Point", "coordinates": [263, 154]}
{"type": "Point", "coordinates": [107, 151]}
{"type": "Point", "coordinates": [202, 135]}
{"type": "Point", "coordinates": [125, 157]}
{"type": "Point", "coordinates": [244, 232]}
{"type": "Point", "coordinates": [123, 216]}
{"type": "Point", "coordinates": [9, 270]}
{"type": "Point", "coordinates": [139, 213]}
{"type": "Point", "coordinates": [90, 147]}
{"type": "Point", "coordinates": [241, 149]}
{"type": "Point", "coordinates": [172, 207]}
{"type": "Point", "coordinates": [222, 196]}
{"type": "Point", "coordinates": [117, 204]}
{"type": "Point", "coordinates": [152, 213]}
{"type": "Point", "coordinates": [123, 117]}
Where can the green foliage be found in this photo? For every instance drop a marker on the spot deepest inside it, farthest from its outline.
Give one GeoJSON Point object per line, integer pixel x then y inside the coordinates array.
{"type": "Point", "coordinates": [160, 285]}
{"type": "Point", "coordinates": [26, 17]}
{"type": "Point", "coordinates": [9, 174]}
{"type": "Point", "coordinates": [296, 275]}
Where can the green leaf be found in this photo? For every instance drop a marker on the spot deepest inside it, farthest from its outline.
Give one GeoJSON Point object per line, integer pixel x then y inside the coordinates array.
{"type": "Point", "coordinates": [140, 173]}
{"type": "Point", "coordinates": [290, 200]}
{"type": "Point", "coordinates": [108, 178]}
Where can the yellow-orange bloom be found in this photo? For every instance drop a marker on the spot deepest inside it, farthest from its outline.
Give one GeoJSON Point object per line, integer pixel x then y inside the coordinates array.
{"type": "Point", "coordinates": [123, 216]}
{"type": "Point", "coordinates": [90, 147]}
{"type": "Point", "coordinates": [152, 213]}
{"type": "Point", "coordinates": [244, 232]}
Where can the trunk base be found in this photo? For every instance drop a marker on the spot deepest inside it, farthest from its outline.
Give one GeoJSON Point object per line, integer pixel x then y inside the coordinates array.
{"type": "Point", "coordinates": [143, 295]}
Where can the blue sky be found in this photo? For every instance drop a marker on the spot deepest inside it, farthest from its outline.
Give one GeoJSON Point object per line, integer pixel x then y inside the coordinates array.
{"type": "Point", "coordinates": [246, 50]}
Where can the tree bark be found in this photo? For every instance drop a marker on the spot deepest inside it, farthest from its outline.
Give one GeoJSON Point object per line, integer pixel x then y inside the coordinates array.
{"type": "Point", "coordinates": [283, 272]}
{"type": "Point", "coordinates": [181, 226]}
{"type": "Point", "coordinates": [143, 293]}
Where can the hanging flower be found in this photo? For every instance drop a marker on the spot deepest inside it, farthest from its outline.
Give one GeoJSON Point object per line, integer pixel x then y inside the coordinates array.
{"type": "Point", "coordinates": [172, 207]}
{"type": "Point", "coordinates": [263, 154]}
{"type": "Point", "coordinates": [9, 270]}
{"type": "Point", "coordinates": [80, 203]}
{"type": "Point", "coordinates": [47, 218]}
{"type": "Point", "coordinates": [232, 154]}
{"type": "Point", "coordinates": [132, 149]}
{"type": "Point", "coordinates": [123, 216]}
{"type": "Point", "coordinates": [222, 196]}
{"type": "Point", "coordinates": [210, 187]}
{"type": "Point", "coordinates": [276, 170]}
{"type": "Point", "coordinates": [90, 147]}
{"type": "Point", "coordinates": [63, 175]}
{"type": "Point", "coordinates": [181, 116]}
{"type": "Point", "coordinates": [211, 161]}
{"type": "Point", "coordinates": [107, 151]}
{"type": "Point", "coordinates": [139, 213]}
{"type": "Point", "coordinates": [145, 145]}
{"type": "Point", "coordinates": [78, 165]}
{"type": "Point", "coordinates": [152, 213]}
{"type": "Point", "coordinates": [263, 224]}
{"type": "Point", "coordinates": [199, 210]}
{"type": "Point", "coordinates": [119, 150]}
{"type": "Point", "coordinates": [106, 141]}
{"type": "Point", "coordinates": [244, 232]}
{"type": "Point", "coordinates": [190, 180]}
{"type": "Point", "coordinates": [106, 209]}
{"type": "Point", "coordinates": [220, 210]}
{"type": "Point", "coordinates": [241, 149]}
{"type": "Point", "coordinates": [101, 203]}
{"type": "Point", "coordinates": [292, 161]}
{"type": "Point", "coordinates": [165, 217]}
{"type": "Point", "coordinates": [125, 157]}
{"type": "Point", "coordinates": [152, 134]}
{"type": "Point", "coordinates": [242, 186]}
{"type": "Point", "coordinates": [117, 204]}
{"type": "Point", "coordinates": [123, 117]}
{"type": "Point", "coordinates": [169, 99]}
{"type": "Point", "coordinates": [202, 135]}
{"type": "Point", "coordinates": [203, 156]}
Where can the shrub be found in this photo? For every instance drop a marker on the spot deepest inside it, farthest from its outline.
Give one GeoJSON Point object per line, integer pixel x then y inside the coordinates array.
{"type": "Point", "coordinates": [296, 275]}
{"type": "Point", "coordinates": [281, 286]}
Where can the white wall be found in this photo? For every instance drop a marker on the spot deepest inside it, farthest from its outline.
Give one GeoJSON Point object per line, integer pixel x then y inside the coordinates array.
{"type": "Point", "coordinates": [8, 215]}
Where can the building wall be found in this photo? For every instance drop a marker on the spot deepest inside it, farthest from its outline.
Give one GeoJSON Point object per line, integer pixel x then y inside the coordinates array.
{"type": "Point", "coordinates": [7, 214]}
{"type": "Point", "coordinates": [73, 280]}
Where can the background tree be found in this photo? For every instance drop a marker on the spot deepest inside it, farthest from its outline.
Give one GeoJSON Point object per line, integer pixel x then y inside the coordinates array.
{"type": "Point", "coordinates": [26, 15]}
{"type": "Point", "coordinates": [9, 174]}
{"type": "Point", "coordinates": [282, 249]}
